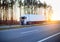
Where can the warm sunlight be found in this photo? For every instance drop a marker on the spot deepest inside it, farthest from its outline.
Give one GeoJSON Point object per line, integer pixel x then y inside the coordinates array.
{"type": "Point", "coordinates": [56, 8]}
{"type": "Point", "coordinates": [17, 11]}
{"type": "Point", "coordinates": [55, 17]}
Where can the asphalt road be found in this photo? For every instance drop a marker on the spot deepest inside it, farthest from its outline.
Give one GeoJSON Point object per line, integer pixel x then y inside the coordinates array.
{"type": "Point", "coordinates": [53, 39]}
{"type": "Point", "coordinates": [45, 33]}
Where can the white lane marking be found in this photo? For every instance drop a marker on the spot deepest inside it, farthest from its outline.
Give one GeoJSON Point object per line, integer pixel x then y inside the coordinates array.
{"type": "Point", "coordinates": [49, 37]}
{"type": "Point", "coordinates": [28, 31]}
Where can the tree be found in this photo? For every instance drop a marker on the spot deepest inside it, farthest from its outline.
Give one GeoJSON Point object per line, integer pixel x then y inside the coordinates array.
{"type": "Point", "coordinates": [20, 4]}
{"type": "Point", "coordinates": [50, 11]}
{"type": "Point", "coordinates": [26, 6]}
{"type": "Point", "coordinates": [0, 11]}
{"type": "Point", "coordinates": [5, 8]}
{"type": "Point", "coordinates": [40, 4]}
{"type": "Point", "coordinates": [45, 7]}
{"type": "Point", "coordinates": [11, 4]}
{"type": "Point", "coordinates": [35, 6]}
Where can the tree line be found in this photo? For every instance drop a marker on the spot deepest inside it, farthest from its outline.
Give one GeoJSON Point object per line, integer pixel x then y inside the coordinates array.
{"type": "Point", "coordinates": [6, 4]}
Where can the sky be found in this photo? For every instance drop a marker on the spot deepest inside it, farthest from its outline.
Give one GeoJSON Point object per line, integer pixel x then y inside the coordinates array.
{"type": "Point", "coordinates": [56, 8]}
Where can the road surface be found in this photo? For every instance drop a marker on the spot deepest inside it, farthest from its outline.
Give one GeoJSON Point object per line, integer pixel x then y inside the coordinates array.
{"type": "Point", "coordinates": [44, 33]}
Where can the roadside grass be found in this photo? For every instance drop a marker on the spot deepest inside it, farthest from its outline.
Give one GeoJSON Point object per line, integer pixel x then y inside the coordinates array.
{"type": "Point", "coordinates": [20, 26]}
{"type": "Point", "coordinates": [16, 27]}
{"type": "Point", "coordinates": [25, 26]}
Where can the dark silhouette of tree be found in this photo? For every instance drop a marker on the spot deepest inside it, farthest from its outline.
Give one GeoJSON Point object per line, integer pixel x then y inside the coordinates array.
{"type": "Point", "coordinates": [45, 7]}
{"type": "Point", "coordinates": [35, 4]}
{"type": "Point", "coordinates": [5, 8]}
{"type": "Point", "coordinates": [20, 5]}
{"type": "Point", "coordinates": [40, 4]}
{"type": "Point", "coordinates": [50, 11]}
{"type": "Point", "coordinates": [29, 5]}
{"type": "Point", "coordinates": [0, 11]}
{"type": "Point", "coordinates": [11, 4]}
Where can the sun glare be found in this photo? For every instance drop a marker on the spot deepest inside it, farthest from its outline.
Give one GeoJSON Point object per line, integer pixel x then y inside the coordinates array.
{"type": "Point", "coordinates": [56, 8]}
{"type": "Point", "coordinates": [55, 17]}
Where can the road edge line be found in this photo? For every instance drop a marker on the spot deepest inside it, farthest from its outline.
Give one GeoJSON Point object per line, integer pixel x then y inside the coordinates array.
{"type": "Point", "coordinates": [48, 37]}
